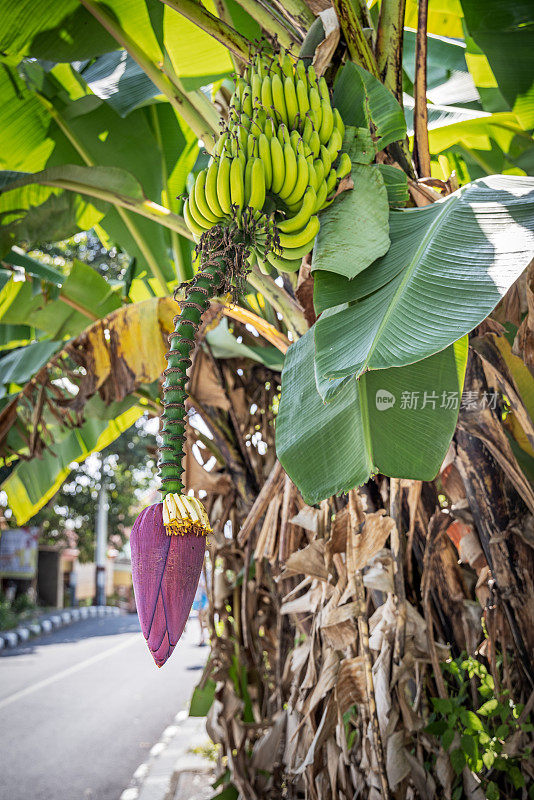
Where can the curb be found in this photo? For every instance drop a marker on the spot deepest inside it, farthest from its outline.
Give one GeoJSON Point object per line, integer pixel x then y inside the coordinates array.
{"type": "Point", "coordinates": [172, 771]}
{"type": "Point", "coordinates": [53, 622]}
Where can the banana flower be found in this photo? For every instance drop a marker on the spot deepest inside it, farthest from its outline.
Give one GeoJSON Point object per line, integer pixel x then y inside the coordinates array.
{"type": "Point", "coordinates": [168, 542]}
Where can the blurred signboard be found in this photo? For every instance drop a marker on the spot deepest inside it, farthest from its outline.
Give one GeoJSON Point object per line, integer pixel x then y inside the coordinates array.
{"type": "Point", "coordinates": [18, 553]}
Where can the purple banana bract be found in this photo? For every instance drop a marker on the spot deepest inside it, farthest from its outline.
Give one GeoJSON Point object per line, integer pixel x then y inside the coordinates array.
{"type": "Point", "coordinates": [165, 571]}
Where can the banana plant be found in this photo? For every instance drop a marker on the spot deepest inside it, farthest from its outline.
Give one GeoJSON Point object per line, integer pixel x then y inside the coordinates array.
{"type": "Point", "coordinates": [162, 125]}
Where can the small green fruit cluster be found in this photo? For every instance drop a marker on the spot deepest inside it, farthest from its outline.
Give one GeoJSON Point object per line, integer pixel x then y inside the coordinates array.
{"type": "Point", "coordinates": [277, 163]}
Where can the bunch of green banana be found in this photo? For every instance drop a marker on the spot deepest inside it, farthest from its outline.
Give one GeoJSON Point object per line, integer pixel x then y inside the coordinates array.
{"type": "Point", "coordinates": [276, 165]}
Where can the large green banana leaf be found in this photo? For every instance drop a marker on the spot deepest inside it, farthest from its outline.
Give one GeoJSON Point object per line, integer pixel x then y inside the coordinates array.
{"type": "Point", "coordinates": [504, 31]}
{"type": "Point", "coordinates": [91, 133]}
{"type": "Point", "coordinates": [119, 80]}
{"type": "Point", "coordinates": [327, 449]}
{"type": "Point", "coordinates": [18, 366]}
{"type": "Point", "coordinates": [362, 101]}
{"type": "Point", "coordinates": [455, 259]}
{"type": "Point", "coordinates": [84, 296]}
{"type": "Point", "coordinates": [487, 143]}
{"type": "Point", "coordinates": [332, 289]}
{"type": "Point", "coordinates": [355, 229]}
{"type": "Point", "coordinates": [66, 31]}
{"type": "Point", "coordinates": [32, 483]}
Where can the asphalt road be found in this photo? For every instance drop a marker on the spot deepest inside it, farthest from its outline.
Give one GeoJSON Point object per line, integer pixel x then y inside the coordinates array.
{"type": "Point", "coordinates": [81, 707]}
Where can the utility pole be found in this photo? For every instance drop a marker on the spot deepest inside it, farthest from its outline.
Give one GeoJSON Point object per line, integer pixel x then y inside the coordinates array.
{"type": "Point", "coordinates": [101, 545]}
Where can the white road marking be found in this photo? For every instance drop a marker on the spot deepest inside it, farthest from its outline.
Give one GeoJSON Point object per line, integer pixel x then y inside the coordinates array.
{"type": "Point", "coordinates": [66, 672]}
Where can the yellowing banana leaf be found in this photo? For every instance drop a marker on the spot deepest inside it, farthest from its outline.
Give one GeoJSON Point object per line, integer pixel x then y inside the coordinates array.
{"type": "Point", "coordinates": [444, 17]}
{"type": "Point", "coordinates": [330, 448]}
{"type": "Point", "coordinates": [457, 259]}
{"type": "Point", "coordinates": [128, 348]}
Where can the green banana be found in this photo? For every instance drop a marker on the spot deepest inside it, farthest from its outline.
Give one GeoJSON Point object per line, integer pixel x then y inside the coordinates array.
{"type": "Point", "coordinates": [301, 218]}
{"type": "Point", "coordinates": [290, 169]}
{"type": "Point", "coordinates": [246, 102]}
{"type": "Point", "coordinates": [283, 134]}
{"type": "Point", "coordinates": [307, 129]}
{"type": "Point", "coordinates": [251, 146]}
{"type": "Point", "coordinates": [338, 122]}
{"type": "Point", "coordinates": [279, 102]}
{"type": "Point", "coordinates": [296, 142]}
{"type": "Point", "coordinates": [223, 184]}
{"type": "Point", "coordinates": [221, 144]}
{"type": "Point", "coordinates": [319, 170]}
{"type": "Point", "coordinates": [344, 167]}
{"type": "Point", "coordinates": [323, 90]}
{"type": "Point", "coordinates": [193, 226]}
{"type": "Point", "coordinates": [327, 122]}
{"type": "Point", "coordinates": [277, 161]}
{"type": "Point", "coordinates": [321, 196]}
{"type": "Point", "coordinates": [256, 89]}
{"type": "Point", "coordinates": [301, 182]}
{"type": "Point", "coordinates": [290, 98]}
{"type": "Point", "coordinates": [266, 94]}
{"type": "Point", "coordinates": [331, 181]}
{"type": "Point", "coordinates": [264, 150]}
{"type": "Point", "coordinates": [264, 267]}
{"type": "Point", "coordinates": [312, 175]}
{"type": "Point", "coordinates": [286, 65]}
{"type": "Point", "coordinates": [300, 70]}
{"type": "Point", "coordinates": [248, 183]}
{"type": "Point", "coordinates": [302, 99]}
{"type": "Point", "coordinates": [211, 190]}
{"type": "Point", "coordinates": [315, 144]}
{"type": "Point", "coordinates": [194, 211]}
{"type": "Point", "coordinates": [237, 186]}
{"type": "Point", "coordinates": [283, 264]}
{"type": "Point", "coordinates": [256, 198]}
{"type": "Point", "coordinates": [315, 112]}
{"type": "Point", "coordinates": [335, 143]}
{"type": "Point", "coordinates": [325, 158]}
{"type": "Point", "coordinates": [200, 198]}
{"type": "Point", "coordinates": [302, 238]}
{"type": "Point", "coordinates": [241, 138]}
{"type": "Point", "coordinates": [270, 128]}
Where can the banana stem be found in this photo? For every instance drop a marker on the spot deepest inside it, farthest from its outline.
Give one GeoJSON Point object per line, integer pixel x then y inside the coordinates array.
{"type": "Point", "coordinates": [182, 342]}
{"type": "Point", "coordinates": [224, 33]}
{"type": "Point", "coordinates": [270, 23]}
{"type": "Point", "coordinates": [298, 12]}
{"type": "Point", "coordinates": [359, 49]}
{"type": "Point", "coordinates": [389, 45]}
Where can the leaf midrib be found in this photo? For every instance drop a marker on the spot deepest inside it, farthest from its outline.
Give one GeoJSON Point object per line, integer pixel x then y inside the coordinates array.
{"type": "Point", "coordinates": [410, 269]}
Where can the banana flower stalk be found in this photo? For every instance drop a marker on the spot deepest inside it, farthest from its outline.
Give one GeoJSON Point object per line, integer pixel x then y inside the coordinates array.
{"type": "Point", "coordinates": [168, 542]}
